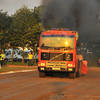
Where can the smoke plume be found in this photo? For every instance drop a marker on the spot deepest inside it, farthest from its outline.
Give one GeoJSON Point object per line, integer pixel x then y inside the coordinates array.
{"type": "Point", "coordinates": [81, 15]}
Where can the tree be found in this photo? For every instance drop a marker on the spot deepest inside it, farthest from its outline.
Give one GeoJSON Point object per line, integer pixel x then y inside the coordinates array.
{"type": "Point", "coordinates": [36, 13]}
{"type": "Point", "coordinates": [35, 27]}
{"type": "Point", "coordinates": [25, 28]}
{"type": "Point", "coordinates": [5, 22]}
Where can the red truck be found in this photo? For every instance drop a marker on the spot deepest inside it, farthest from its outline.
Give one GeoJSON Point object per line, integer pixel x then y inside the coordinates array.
{"type": "Point", "coordinates": [57, 53]}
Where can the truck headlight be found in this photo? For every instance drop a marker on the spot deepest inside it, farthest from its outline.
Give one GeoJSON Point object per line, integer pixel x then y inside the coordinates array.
{"type": "Point", "coordinates": [70, 65]}
{"type": "Point", "coordinates": [42, 64]}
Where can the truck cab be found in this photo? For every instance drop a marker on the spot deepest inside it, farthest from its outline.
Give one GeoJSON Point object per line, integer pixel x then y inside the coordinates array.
{"type": "Point", "coordinates": [57, 52]}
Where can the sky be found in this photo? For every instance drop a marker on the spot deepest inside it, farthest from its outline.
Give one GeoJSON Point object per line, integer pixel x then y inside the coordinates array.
{"type": "Point", "coordinates": [12, 5]}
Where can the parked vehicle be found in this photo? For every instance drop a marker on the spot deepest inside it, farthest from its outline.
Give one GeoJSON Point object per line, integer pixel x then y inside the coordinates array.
{"type": "Point", "coordinates": [17, 55]}
{"type": "Point", "coordinates": [8, 54]}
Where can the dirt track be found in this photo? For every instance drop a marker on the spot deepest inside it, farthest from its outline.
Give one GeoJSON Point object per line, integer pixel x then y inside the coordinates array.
{"type": "Point", "coordinates": [28, 86]}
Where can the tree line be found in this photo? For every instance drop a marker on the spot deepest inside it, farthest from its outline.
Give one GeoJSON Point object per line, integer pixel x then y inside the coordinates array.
{"type": "Point", "coordinates": [20, 29]}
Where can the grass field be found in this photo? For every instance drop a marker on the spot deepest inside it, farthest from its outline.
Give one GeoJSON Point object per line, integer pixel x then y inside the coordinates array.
{"type": "Point", "coordinates": [7, 69]}
{"type": "Point", "coordinates": [18, 63]}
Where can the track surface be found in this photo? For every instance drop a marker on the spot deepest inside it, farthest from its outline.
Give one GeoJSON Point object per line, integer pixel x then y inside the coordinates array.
{"type": "Point", "coordinates": [28, 86]}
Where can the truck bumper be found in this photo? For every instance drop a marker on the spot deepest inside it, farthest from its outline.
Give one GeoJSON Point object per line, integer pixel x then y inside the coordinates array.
{"type": "Point", "coordinates": [50, 69]}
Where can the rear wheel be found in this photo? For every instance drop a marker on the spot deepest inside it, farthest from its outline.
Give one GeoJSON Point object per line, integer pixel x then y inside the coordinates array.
{"type": "Point", "coordinates": [41, 74]}
{"type": "Point", "coordinates": [72, 75]}
{"type": "Point", "coordinates": [78, 73]}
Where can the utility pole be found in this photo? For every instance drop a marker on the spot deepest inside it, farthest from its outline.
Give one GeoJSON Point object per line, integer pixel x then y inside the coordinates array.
{"type": "Point", "coordinates": [35, 53]}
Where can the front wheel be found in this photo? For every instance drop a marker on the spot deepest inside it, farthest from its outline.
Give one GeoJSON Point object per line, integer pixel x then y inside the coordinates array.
{"type": "Point", "coordinates": [42, 74]}
{"type": "Point", "coordinates": [72, 75]}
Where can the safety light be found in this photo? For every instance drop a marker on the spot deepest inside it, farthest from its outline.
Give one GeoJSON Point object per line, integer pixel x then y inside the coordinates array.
{"type": "Point", "coordinates": [70, 65]}
{"type": "Point", "coordinates": [70, 69]}
{"type": "Point", "coordinates": [42, 68]}
{"type": "Point", "coordinates": [42, 64]}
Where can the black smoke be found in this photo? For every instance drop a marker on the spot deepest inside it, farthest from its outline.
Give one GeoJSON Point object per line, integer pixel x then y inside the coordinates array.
{"type": "Point", "coordinates": [76, 9]}
{"type": "Point", "coordinates": [81, 15]}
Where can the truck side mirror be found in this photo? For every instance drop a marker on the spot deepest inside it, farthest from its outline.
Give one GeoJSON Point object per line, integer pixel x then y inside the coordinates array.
{"type": "Point", "coordinates": [77, 43]}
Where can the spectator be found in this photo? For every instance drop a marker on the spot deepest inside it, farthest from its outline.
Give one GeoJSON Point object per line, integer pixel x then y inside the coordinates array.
{"type": "Point", "coordinates": [2, 57]}
{"type": "Point", "coordinates": [30, 59]}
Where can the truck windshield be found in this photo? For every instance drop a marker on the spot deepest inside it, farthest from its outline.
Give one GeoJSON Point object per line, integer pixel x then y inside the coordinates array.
{"type": "Point", "coordinates": [57, 43]}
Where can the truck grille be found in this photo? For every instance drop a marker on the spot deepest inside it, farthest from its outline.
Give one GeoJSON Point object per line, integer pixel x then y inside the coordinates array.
{"type": "Point", "coordinates": [56, 64]}
{"type": "Point", "coordinates": [57, 56]}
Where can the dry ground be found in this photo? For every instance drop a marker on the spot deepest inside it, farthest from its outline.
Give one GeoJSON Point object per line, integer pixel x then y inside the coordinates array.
{"type": "Point", "coordinates": [28, 86]}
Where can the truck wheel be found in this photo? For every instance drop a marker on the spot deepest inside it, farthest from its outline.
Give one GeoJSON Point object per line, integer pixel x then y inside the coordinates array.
{"type": "Point", "coordinates": [78, 73]}
{"type": "Point", "coordinates": [72, 75]}
{"type": "Point", "coordinates": [41, 74]}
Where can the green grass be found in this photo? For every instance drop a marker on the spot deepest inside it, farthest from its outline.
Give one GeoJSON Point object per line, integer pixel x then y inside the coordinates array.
{"type": "Point", "coordinates": [17, 63]}
{"type": "Point", "coordinates": [7, 69]}
{"type": "Point", "coordinates": [36, 64]}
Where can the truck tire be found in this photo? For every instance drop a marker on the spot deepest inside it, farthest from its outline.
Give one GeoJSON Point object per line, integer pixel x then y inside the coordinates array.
{"type": "Point", "coordinates": [78, 73]}
{"type": "Point", "coordinates": [72, 75]}
{"type": "Point", "coordinates": [41, 74]}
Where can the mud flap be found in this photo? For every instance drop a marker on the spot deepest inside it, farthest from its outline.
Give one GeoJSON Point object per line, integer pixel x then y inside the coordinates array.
{"type": "Point", "coordinates": [84, 67]}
